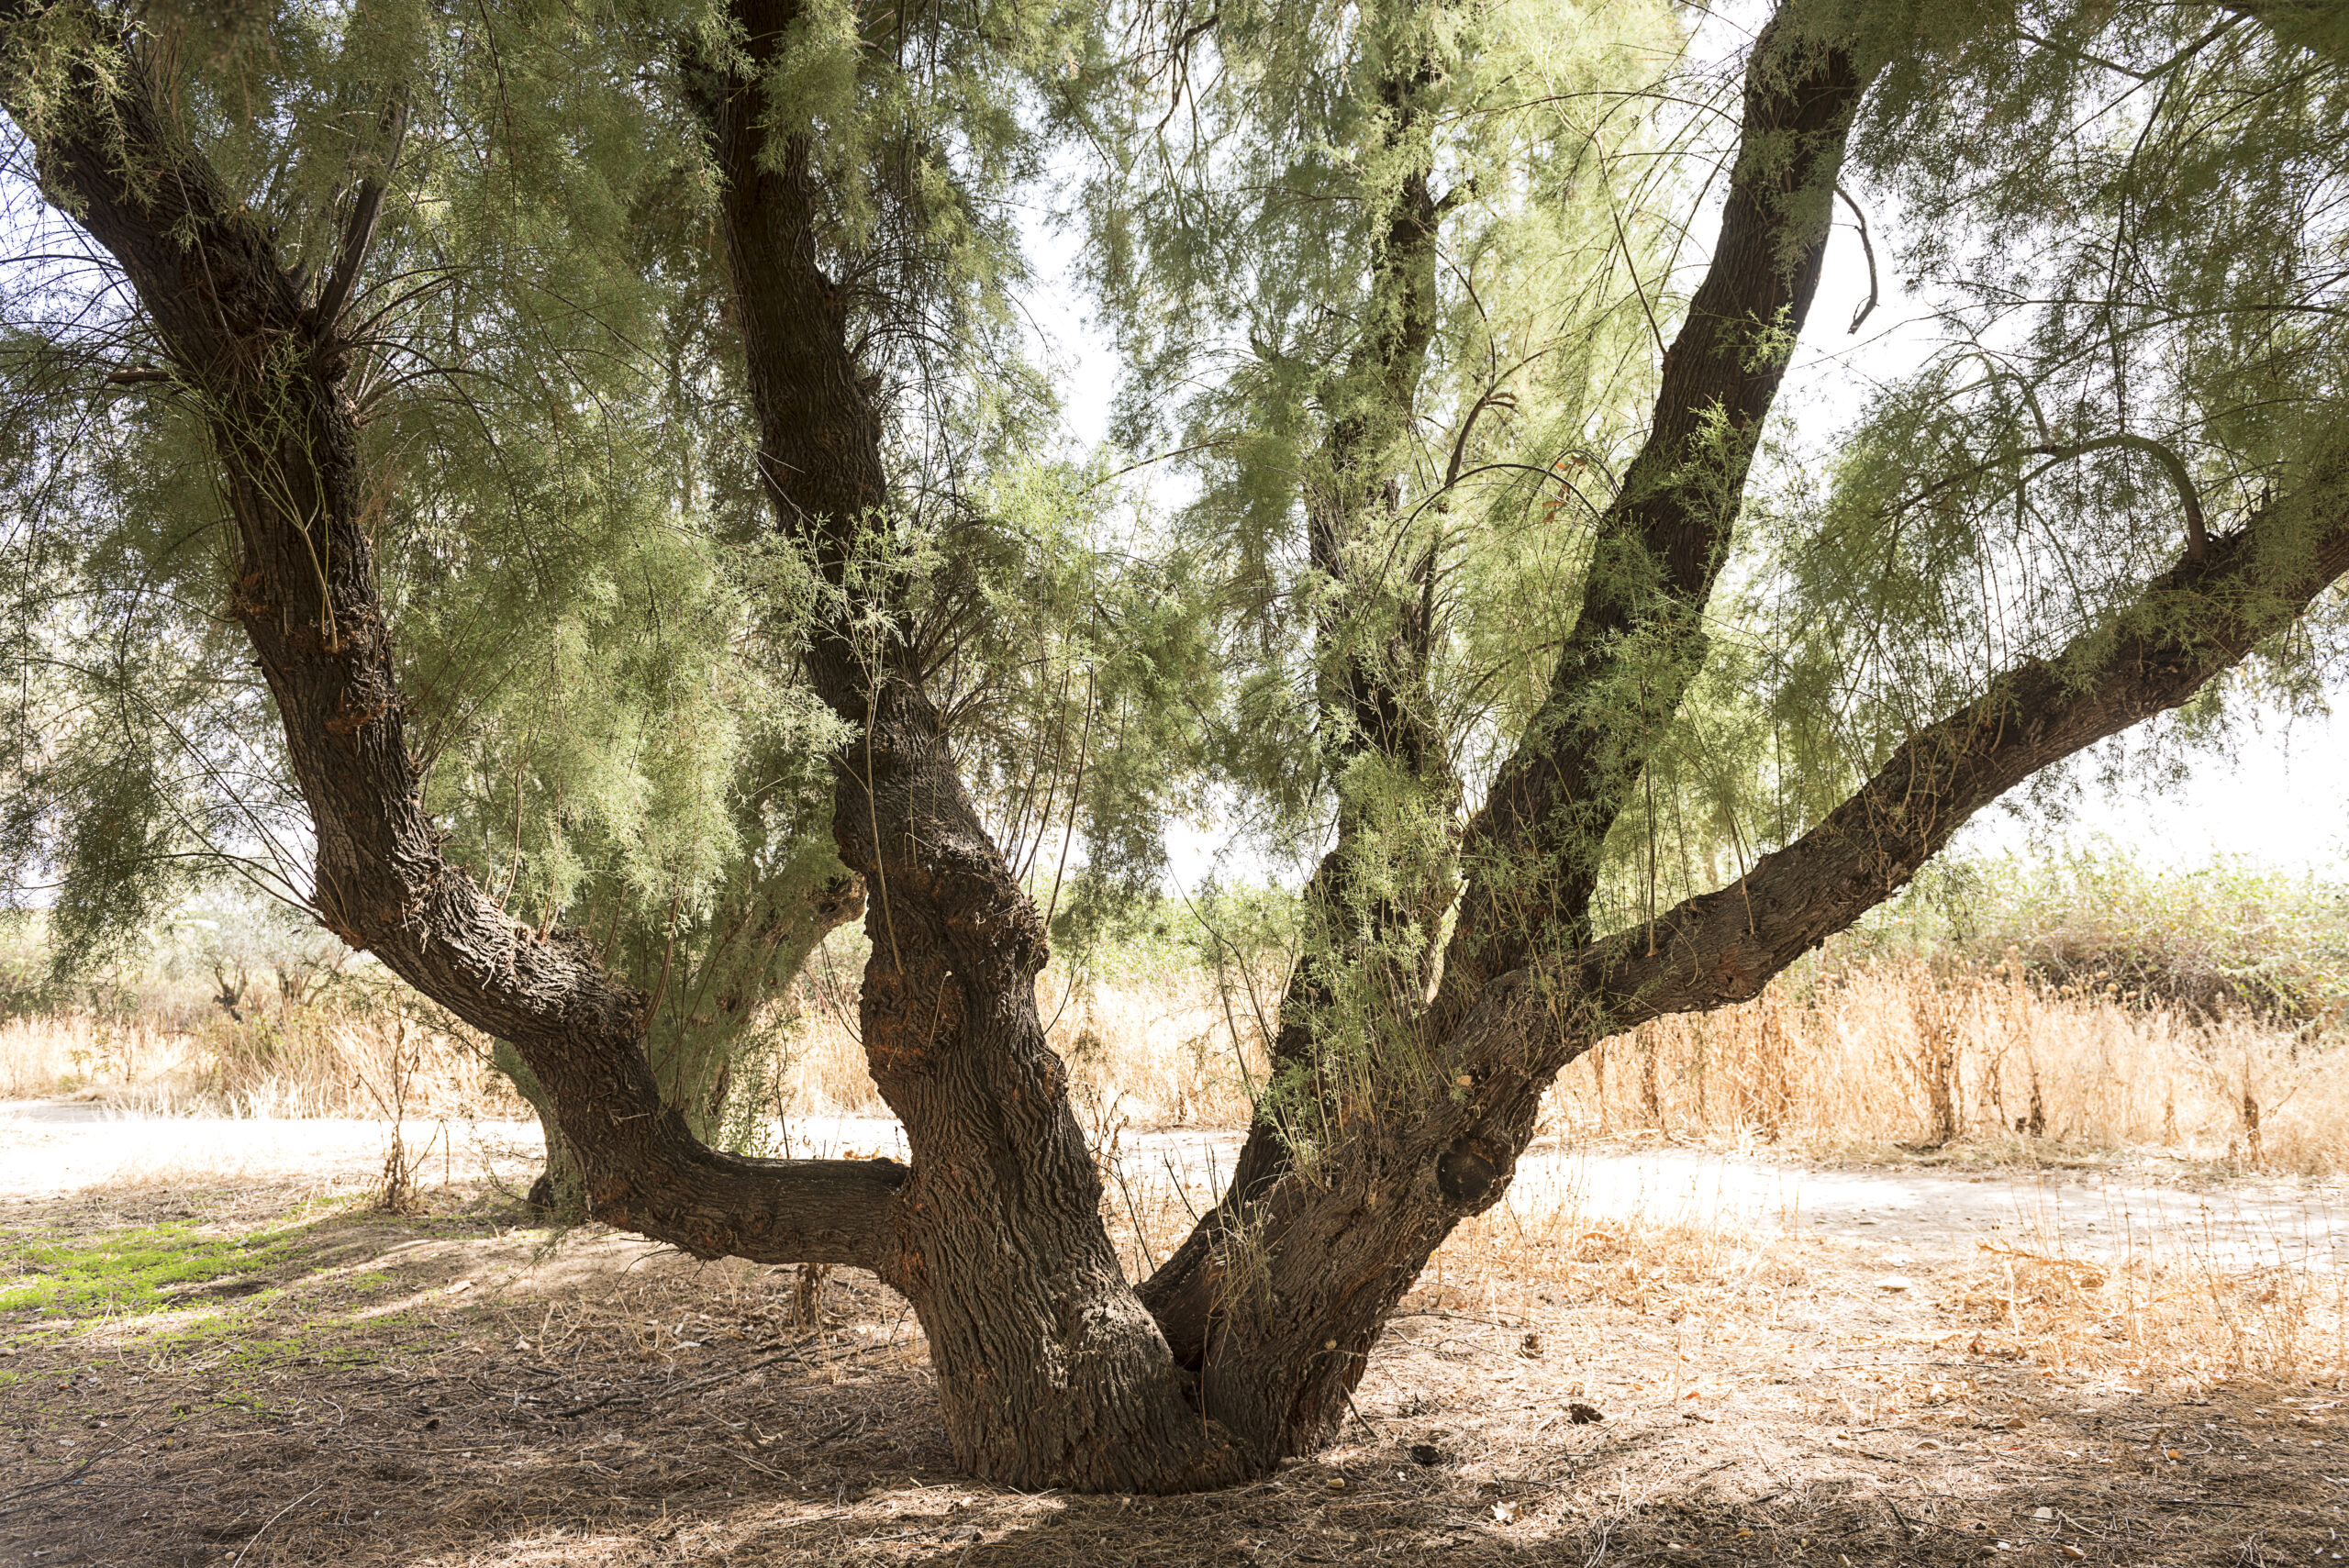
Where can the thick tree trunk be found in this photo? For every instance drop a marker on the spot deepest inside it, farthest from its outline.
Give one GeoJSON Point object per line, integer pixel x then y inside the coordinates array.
{"type": "Point", "coordinates": [1301, 1298]}
{"type": "Point", "coordinates": [1533, 849]}
{"type": "Point", "coordinates": [1286, 1274]}
{"type": "Point", "coordinates": [1050, 1370]}
{"type": "Point", "coordinates": [1300, 1279]}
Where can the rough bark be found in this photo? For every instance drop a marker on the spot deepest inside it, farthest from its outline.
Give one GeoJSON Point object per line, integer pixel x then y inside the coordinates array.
{"type": "Point", "coordinates": [1279, 1350]}
{"type": "Point", "coordinates": [1374, 646]}
{"type": "Point", "coordinates": [1324, 1261]}
{"type": "Point", "coordinates": [1531, 853]}
{"type": "Point", "coordinates": [710, 984]}
{"type": "Point", "coordinates": [268, 368]}
{"type": "Point", "coordinates": [2187, 627]}
{"type": "Point", "coordinates": [1303, 1276]}
{"type": "Point", "coordinates": [1050, 1369]}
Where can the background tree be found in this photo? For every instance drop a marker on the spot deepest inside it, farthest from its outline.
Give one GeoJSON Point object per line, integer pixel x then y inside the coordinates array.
{"type": "Point", "coordinates": [1440, 319]}
{"type": "Point", "coordinates": [556, 488]}
{"type": "Point", "coordinates": [859, 163]}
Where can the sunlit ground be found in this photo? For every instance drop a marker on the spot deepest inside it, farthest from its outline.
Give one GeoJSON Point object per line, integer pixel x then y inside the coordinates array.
{"type": "Point", "coordinates": [258, 1369]}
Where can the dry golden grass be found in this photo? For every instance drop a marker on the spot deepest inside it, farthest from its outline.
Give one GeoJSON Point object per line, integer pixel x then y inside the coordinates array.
{"type": "Point", "coordinates": [324, 1059]}
{"type": "Point", "coordinates": [44, 1056]}
{"type": "Point", "coordinates": [1561, 1384]}
{"type": "Point", "coordinates": [1883, 1053]}
{"type": "Point", "coordinates": [1892, 1053]}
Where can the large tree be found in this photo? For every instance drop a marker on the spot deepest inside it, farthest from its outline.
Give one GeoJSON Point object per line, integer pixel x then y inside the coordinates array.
{"type": "Point", "coordinates": [2129, 476]}
{"type": "Point", "coordinates": [605, 721]}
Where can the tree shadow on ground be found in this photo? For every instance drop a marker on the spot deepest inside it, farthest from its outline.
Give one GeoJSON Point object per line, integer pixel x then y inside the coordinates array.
{"type": "Point", "coordinates": [463, 1388]}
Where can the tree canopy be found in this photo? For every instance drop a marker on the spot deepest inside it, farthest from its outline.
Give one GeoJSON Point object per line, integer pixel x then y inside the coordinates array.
{"type": "Point", "coordinates": [573, 502]}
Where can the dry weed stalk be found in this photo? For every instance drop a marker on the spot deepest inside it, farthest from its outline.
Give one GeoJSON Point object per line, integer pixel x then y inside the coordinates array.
{"type": "Point", "coordinates": [1894, 1052]}
{"type": "Point", "coordinates": [323, 1060]}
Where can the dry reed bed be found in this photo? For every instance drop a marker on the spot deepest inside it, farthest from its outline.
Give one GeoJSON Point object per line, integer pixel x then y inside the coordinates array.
{"type": "Point", "coordinates": [367, 1062]}
{"type": "Point", "coordinates": [1885, 1053]}
{"type": "Point", "coordinates": [1880, 1053]}
{"type": "Point", "coordinates": [1893, 1052]}
{"type": "Point", "coordinates": [1186, 1051]}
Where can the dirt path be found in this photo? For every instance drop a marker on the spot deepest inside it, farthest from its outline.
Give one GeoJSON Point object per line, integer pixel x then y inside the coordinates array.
{"type": "Point", "coordinates": [50, 1148]}
{"type": "Point", "coordinates": [250, 1372]}
{"type": "Point", "coordinates": [2077, 1211]}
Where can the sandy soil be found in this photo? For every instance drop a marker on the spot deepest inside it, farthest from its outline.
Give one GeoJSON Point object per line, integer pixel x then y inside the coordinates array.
{"type": "Point", "coordinates": [2084, 1208]}
{"type": "Point", "coordinates": [458, 1386]}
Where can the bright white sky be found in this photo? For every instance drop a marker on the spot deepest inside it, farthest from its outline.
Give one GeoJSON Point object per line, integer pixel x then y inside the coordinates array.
{"type": "Point", "coordinates": [2281, 799]}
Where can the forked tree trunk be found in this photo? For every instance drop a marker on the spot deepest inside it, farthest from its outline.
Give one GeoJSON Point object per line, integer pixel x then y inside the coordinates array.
{"type": "Point", "coordinates": [1414, 1175]}
{"type": "Point", "coordinates": [1051, 1370]}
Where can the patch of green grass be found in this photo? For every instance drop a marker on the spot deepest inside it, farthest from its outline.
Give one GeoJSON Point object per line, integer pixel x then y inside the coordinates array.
{"type": "Point", "coordinates": [144, 1270]}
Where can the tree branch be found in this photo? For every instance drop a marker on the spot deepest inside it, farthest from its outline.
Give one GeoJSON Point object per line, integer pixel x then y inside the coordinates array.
{"type": "Point", "coordinates": [1867, 248]}
{"type": "Point", "coordinates": [1532, 850]}
{"type": "Point", "coordinates": [1049, 1371]}
{"type": "Point", "coordinates": [2321, 26]}
{"type": "Point", "coordinates": [2198, 543]}
{"type": "Point", "coordinates": [1373, 701]}
{"type": "Point", "coordinates": [391, 130]}
{"type": "Point", "coordinates": [109, 149]}
{"type": "Point", "coordinates": [1722, 948]}
{"type": "Point", "coordinates": [1325, 1258]}
{"type": "Point", "coordinates": [2198, 540]}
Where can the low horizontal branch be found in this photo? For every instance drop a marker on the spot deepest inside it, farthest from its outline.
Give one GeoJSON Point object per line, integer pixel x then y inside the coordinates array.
{"type": "Point", "coordinates": [2186, 628]}
{"type": "Point", "coordinates": [769, 1211]}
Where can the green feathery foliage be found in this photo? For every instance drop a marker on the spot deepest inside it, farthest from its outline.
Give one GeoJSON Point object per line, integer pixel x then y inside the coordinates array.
{"type": "Point", "coordinates": [1388, 279]}
{"type": "Point", "coordinates": [559, 492]}
{"type": "Point", "coordinates": [2125, 224]}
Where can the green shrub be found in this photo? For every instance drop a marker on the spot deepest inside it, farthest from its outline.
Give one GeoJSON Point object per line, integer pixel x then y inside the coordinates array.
{"type": "Point", "coordinates": [2227, 937]}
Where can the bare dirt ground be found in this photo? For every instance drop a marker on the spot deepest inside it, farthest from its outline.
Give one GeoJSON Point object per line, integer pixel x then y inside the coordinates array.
{"type": "Point", "coordinates": [1941, 1204]}
{"type": "Point", "coordinates": [218, 1353]}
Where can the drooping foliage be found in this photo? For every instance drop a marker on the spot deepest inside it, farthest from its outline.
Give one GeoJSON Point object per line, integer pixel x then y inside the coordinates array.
{"type": "Point", "coordinates": [614, 445]}
{"type": "Point", "coordinates": [566, 623]}
{"type": "Point", "coordinates": [1390, 281]}
{"type": "Point", "coordinates": [1402, 260]}
{"type": "Point", "coordinates": [2122, 242]}
{"type": "Point", "coordinates": [559, 497]}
